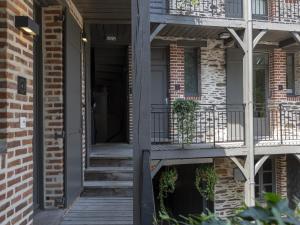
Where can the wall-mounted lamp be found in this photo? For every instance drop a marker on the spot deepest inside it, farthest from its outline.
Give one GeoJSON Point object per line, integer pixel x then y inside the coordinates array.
{"type": "Point", "coordinates": [27, 25]}
{"type": "Point", "coordinates": [84, 37]}
{"type": "Point", "coordinates": [224, 35]}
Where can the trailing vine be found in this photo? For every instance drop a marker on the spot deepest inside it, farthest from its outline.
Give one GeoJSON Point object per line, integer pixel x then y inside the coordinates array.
{"type": "Point", "coordinates": [186, 119]}
{"type": "Point", "coordinates": [205, 181]}
{"type": "Point", "coordinates": [167, 185]}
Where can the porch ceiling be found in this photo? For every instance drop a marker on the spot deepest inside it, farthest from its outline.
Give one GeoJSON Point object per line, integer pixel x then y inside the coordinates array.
{"type": "Point", "coordinates": [104, 11]}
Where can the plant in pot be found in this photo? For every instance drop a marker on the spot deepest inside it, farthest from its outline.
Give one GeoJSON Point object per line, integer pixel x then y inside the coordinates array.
{"type": "Point", "coordinates": [205, 181]}
{"type": "Point", "coordinates": [185, 112]}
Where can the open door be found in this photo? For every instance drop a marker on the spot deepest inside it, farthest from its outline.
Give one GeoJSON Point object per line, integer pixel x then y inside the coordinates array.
{"type": "Point", "coordinates": [73, 153]}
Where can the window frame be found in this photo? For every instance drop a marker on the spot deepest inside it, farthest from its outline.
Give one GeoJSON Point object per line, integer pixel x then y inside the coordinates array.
{"type": "Point", "coordinates": [293, 74]}
{"type": "Point", "coordinates": [197, 59]}
{"type": "Point", "coordinates": [259, 195]}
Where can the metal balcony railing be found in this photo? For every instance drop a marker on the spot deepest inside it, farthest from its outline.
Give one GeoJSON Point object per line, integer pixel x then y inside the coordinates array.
{"type": "Point", "coordinates": [284, 11]}
{"type": "Point", "coordinates": [213, 124]}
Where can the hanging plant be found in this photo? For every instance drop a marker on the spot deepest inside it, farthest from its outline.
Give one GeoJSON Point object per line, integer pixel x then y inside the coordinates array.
{"type": "Point", "coordinates": [167, 185]}
{"type": "Point", "coordinates": [186, 119]}
{"type": "Point", "coordinates": [205, 181]}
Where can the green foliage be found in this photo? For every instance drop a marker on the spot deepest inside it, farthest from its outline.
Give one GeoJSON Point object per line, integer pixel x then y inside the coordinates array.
{"type": "Point", "coordinates": [274, 212]}
{"type": "Point", "coordinates": [167, 185]}
{"type": "Point", "coordinates": [205, 181]}
{"type": "Point", "coordinates": [185, 112]}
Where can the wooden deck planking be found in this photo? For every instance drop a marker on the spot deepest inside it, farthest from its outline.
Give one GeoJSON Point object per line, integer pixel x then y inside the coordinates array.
{"type": "Point", "coordinates": [100, 211]}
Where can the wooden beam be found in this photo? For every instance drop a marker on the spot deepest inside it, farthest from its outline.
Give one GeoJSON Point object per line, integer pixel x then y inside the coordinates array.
{"type": "Point", "coordinates": [237, 38]}
{"type": "Point", "coordinates": [177, 153]}
{"type": "Point", "coordinates": [157, 30]}
{"type": "Point", "coordinates": [259, 37]}
{"type": "Point", "coordinates": [157, 168]}
{"type": "Point", "coordinates": [141, 101]}
{"type": "Point", "coordinates": [240, 166]}
{"type": "Point", "coordinates": [296, 36]}
{"type": "Point", "coordinates": [197, 21]}
{"type": "Point", "coordinates": [264, 25]}
{"type": "Point", "coordinates": [287, 42]}
{"type": "Point", "coordinates": [260, 163]}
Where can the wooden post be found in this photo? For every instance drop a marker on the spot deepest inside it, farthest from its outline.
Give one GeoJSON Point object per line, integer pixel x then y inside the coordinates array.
{"type": "Point", "coordinates": [248, 100]}
{"type": "Point", "coordinates": [141, 96]}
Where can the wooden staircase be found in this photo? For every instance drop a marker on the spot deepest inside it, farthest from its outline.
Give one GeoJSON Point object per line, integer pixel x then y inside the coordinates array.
{"type": "Point", "coordinates": [107, 195]}
{"type": "Point", "coordinates": [109, 175]}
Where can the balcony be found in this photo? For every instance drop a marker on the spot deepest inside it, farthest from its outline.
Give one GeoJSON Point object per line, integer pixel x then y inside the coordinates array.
{"type": "Point", "coordinates": [275, 11]}
{"type": "Point", "coordinates": [223, 126]}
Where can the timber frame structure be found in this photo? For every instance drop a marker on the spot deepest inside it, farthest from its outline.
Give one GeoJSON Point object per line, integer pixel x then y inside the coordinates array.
{"type": "Point", "coordinates": [242, 33]}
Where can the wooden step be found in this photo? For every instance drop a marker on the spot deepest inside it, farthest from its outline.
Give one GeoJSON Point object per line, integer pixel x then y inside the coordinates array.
{"type": "Point", "coordinates": [109, 161]}
{"type": "Point", "coordinates": [109, 174]}
{"type": "Point", "coordinates": [108, 189]}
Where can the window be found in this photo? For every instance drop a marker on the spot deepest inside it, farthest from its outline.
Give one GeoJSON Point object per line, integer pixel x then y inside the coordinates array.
{"type": "Point", "coordinates": [265, 180]}
{"type": "Point", "coordinates": [191, 72]}
{"type": "Point", "coordinates": [290, 74]}
{"type": "Point", "coordinates": [260, 9]}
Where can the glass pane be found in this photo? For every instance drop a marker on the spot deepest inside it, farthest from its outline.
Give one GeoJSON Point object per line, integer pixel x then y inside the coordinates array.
{"type": "Point", "coordinates": [259, 7]}
{"type": "Point", "coordinates": [191, 73]}
{"type": "Point", "coordinates": [267, 178]}
{"type": "Point", "coordinates": [260, 86]}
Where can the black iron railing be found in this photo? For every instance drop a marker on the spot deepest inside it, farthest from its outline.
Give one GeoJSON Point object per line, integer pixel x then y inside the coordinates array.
{"type": "Point", "coordinates": [211, 124]}
{"type": "Point", "coordinates": [279, 123]}
{"type": "Point", "coordinates": [287, 11]}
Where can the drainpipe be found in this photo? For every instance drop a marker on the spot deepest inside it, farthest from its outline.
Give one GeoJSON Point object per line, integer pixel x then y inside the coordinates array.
{"type": "Point", "coordinates": [248, 98]}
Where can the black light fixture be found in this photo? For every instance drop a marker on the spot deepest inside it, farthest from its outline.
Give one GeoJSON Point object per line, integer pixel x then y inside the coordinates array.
{"type": "Point", "coordinates": [27, 25]}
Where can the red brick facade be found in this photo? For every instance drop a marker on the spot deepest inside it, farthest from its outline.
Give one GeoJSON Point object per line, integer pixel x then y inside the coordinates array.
{"type": "Point", "coordinates": [16, 167]}
{"type": "Point", "coordinates": [53, 105]}
{"type": "Point", "coordinates": [277, 83]}
{"type": "Point", "coordinates": [176, 75]}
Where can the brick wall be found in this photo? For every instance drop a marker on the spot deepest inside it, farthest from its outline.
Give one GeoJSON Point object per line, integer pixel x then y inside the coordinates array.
{"type": "Point", "coordinates": [16, 59]}
{"type": "Point", "coordinates": [176, 73]}
{"type": "Point", "coordinates": [53, 105]}
{"type": "Point", "coordinates": [281, 175]}
{"type": "Point", "coordinates": [277, 80]}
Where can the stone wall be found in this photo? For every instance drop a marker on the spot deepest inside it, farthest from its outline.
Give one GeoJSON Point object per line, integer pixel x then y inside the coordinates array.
{"type": "Point", "coordinates": [229, 194]}
{"type": "Point", "coordinates": [53, 106]}
{"type": "Point", "coordinates": [16, 163]}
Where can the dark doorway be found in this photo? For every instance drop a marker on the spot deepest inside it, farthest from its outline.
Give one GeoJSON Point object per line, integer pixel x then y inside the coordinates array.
{"type": "Point", "coordinates": [38, 116]}
{"type": "Point", "coordinates": [73, 125]}
{"type": "Point", "coordinates": [109, 94]}
{"type": "Point", "coordinates": [186, 199]}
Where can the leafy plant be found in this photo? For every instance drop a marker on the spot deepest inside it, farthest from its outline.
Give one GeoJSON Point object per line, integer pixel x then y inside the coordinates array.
{"type": "Point", "coordinates": [167, 185]}
{"type": "Point", "coordinates": [185, 112]}
{"type": "Point", "coordinates": [205, 181]}
{"type": "Point", "coordinates": [274, 212]}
